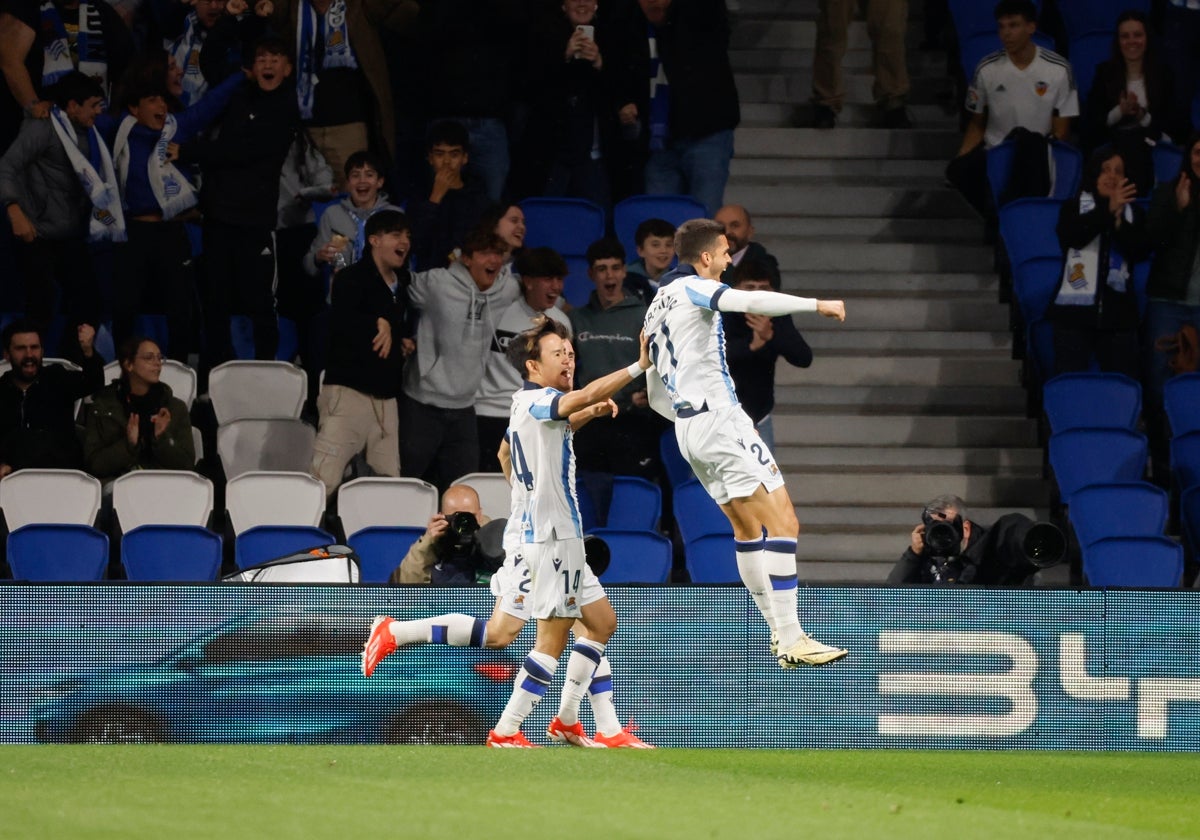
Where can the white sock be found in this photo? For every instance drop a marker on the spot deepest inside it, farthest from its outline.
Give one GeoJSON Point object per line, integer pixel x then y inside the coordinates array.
{"type": "Point", "coordinates": [582, 663]}
{"type": "Point", "coordinates": [455, 629]}
{"type": "Point", "coordinates": [600, 696]}
{"type": "Point", "coordinates": [779, 570]}
{"type": "Point", "coordinates": [750, 569]}
{"type": "Point", "coordinates": [528, 689]}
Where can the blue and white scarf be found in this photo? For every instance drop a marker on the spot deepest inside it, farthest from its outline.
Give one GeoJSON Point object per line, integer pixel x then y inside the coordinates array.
{"type": "Point", "coordinates": [335, 31]}
{"type": "Point", "coordinates": [172, 191]}
{"type": "Point", "coordinates": [1081, 281]}
{"type": "Point", "coordinates": [89, 43]}
{"type": "Point", "coordinates": [660, 95]}
{"type": "Point", "coordinates": [186, 51]}
{"type": "Point", "coordinates": [96, 176]}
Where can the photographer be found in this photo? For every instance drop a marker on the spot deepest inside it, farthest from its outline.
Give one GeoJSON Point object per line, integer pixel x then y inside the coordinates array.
{"type": "Point", "coordinates": [948, 548]}
{"type": "Point", "coordinates": [461, 546]}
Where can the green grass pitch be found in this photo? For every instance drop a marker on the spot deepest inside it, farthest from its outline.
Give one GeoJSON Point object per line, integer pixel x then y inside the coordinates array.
{"type": "Point", "coordinates": [234, 792]}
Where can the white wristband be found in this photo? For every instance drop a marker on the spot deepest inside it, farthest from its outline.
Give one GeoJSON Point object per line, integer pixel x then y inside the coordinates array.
{"type": "Point", "coordinates": [634, 370]}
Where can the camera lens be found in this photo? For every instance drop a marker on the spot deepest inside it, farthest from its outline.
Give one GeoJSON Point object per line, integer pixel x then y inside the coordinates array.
{"type": "Point", "coordinates": [941, 539]}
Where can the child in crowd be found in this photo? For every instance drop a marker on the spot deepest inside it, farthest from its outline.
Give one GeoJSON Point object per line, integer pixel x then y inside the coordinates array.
{"type": "Point", "coordinates": [340, 235]}
{"type": "Point", "coordinates": [456, 202]}
{"type": "Point", "coordinates": [655, 240]}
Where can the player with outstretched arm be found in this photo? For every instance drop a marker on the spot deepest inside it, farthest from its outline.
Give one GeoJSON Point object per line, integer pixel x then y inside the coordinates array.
{"type": "Point", "coordinates": [691, 384]}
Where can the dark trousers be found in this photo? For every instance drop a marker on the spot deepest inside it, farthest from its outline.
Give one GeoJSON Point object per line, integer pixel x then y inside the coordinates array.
{"type": "Point", "coordinates": [301, 298]}
{"type": "Point", "coordinates": [968, 174]}
{"type": "Point", "coordinates": [1116, 351]}
{"type": "Point", "coordinates": [438, 445]}
{"type": "Point", "coordinates": [238, 278]}
{"type": "Point", "coordinates": [53, 266]}
{"type": "Point", "coordinates": [491, 432]}
{"type": "Point", "coordinates": [153, 273]}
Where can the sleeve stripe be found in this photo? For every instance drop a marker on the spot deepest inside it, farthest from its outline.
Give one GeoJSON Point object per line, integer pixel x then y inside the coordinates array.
{"type": "Point", "coordinates": [717, 296]}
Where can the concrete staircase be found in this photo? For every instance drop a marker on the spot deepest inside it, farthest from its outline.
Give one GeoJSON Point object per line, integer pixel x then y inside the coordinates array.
{"type": "Point", "coordinates": [917, 393]}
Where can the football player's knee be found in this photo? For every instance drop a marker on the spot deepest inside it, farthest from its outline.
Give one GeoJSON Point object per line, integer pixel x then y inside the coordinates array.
{"type": "Point", "coordinates": [500, 635]}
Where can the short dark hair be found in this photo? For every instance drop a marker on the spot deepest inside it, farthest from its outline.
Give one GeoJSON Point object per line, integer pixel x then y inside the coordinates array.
{"type": "Point", "coordinates": [385, 221]}
{"type": "Point", "coordinates": [483, 239]}
{"type": "Point", "coordinates": [145, 77]}
{"type": "Point", "coordinates": [1022, 8]}
{"type": "Point", "coordinates": [540, 262]}
{"type": "Point", "coordinates": [271, 45]}
{"type": "Point", "coordinates": [127, 352]}
{"type": "Point", "coordinates": [694, 236]}
{"type": "Point", "coordinates": [363, 158]}
{"type": "Point", "coordinates": [526, 346]}
{"type": "Point", "coordinates": [653, 227]}
{"type": "Point", "coordinates": [608, 248]}
{"type": "Point", "coordinates": [20, 325]}
{"type": "Point", "coordinates": [447, 133]}
{"type": "Point", "coordinates": [753, 269]}
{"type": "Point", "coordinates": [74, 87]}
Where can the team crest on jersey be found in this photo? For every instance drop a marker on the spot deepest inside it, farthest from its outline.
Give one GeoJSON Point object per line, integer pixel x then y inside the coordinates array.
{"type": "Point", "coordinates": [571, 601]}
{"type": "Point", "coordinates": [1040, 88]}
{"type": "Point", "coordinates": [972, 99]}
{"type": "Point", "coordinates": [519, 600]}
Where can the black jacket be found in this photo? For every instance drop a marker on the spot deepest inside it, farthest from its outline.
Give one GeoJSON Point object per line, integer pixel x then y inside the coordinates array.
{"type": "Point", "coordinates": [753, 371]}
{"type": "Point", "coordinates": [360, 298]}
{"type": "Point", "coordinates": [37, 425]}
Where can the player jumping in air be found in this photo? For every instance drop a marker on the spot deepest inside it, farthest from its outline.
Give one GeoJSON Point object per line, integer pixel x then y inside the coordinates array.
{"type": "Point", "coordinates": [691, 383]}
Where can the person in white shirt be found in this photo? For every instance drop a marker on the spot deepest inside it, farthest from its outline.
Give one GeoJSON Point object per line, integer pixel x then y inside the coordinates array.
{"type": "Point", "coordinates": [1020, 86]}
{"type": "Point", "coordinates": [691, 382]}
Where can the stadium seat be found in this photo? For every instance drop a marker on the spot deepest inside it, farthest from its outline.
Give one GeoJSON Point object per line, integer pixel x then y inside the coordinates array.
{"type": "Point", "coordinates": [696, 514]}
{"type": "Point", "coordinates": [381, 548]}
{"type": "Point", "coordinates": [179, 377]}
{"type": "Point", "coordinates": [677, 467]}
{"type": "Point", "coordinates": [381, 501]}
{"type": "Point", "coordinates": [253, 389]}
{"type": "Point", "coordinates": [267, 542]}
{"type": "Point", "coordinates": [1080, 457]}
{"type": "Point", "coordinates": [274, 498]}
{"type": "Point", "coordinates": [43, 495]}
{"type": "Point", "coordinates": [568, 225]}
{"type": "Point", "coordinates": [588, 517]}
{"type": "Point", "coordinates": [636, 504]}
{"type": "Point", "coordinates": [1181, 400]}
{"type": "Point", "coordinates": [1027, 226]}
{"type": "Point", "coordinates": [495, 493]}
{"type": "Point", "coordinates": [1185, 460]}
{"type": "Point", "coordinates": [171, 554]}
{"type": "Point", "coordinates": [712, 559]}
{"type": "Point", "coordinates": [277, 443]}
{"type": "Point", "coordinates": [632, 211]}
{"type": "Point", "coordinates": [57, 553]}
{"type": "Point", "coordinates": [1168, 158]}
{"type": "Point", "coordinates": [1087, 50]}
{"type": "Point", "coordinates": [162, 497]}
{"type": "Point", "coordinates": [1134, 561]}
{"type": "Point", "coordinates": [635, 556]}
{"type": "Point", "coordinates": [1119, 509]}
{"type": "Point", "coordinates": [1189, 519]}
{"type": "Point", "coordinates": [577, 286]}
{"type": "Point", "coordinates": [1039, 349]}
{"type": "Point", "coordinates": [1080, 16]}
{"type": "Point", "coordinates": [1091, 400]}
{"type": "Point", "coordinates": [1065, 175]}
{"type": "Point", "coordinates": [1035, 283]}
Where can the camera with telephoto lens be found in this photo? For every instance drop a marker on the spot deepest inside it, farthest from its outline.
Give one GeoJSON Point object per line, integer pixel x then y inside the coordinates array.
{"type": "Point", "coordinates": [943, 537]}
{"type": "Point", "coordinates": [459, 537]}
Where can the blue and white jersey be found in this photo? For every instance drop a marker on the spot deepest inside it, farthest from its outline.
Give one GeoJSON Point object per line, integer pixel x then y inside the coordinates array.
{"type": "Point", "coordinates": [544, 504]}
{"type": "Point", "coordinates": [687, 345]}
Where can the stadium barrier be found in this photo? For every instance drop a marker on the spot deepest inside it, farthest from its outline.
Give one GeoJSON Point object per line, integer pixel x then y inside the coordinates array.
{"type": "Point", "coordinates": [938, 668]}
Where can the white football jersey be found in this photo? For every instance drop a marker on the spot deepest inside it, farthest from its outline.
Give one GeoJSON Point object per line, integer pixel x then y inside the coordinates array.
{"type": "Point", "coordinates": [1027, 98]}
{"type": "Point", "coordinates": [544, 505]}
{"type": "Point", "coordinates": [687, 345]}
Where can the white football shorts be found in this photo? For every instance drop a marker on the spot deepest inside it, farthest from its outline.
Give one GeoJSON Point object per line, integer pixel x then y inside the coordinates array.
{"type": "Point", "coordinates": [726, 453]}
{"type": "Point", "coordinates": [546, 580]}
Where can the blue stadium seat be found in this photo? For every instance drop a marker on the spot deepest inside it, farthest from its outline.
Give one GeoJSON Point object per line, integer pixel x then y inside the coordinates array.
{"type": "Point", "coordinates": [266, 542]}
{"type": "Point", "coordinates": [677, 467]}
{"type": "Point", "coordinates": [380, 548]}
{"type": "Point", "coordinates": [632, 211]}
{"type": "Point", "coordinates": [712, 559]}
{"type": "Point", "coordinates": [1185, 460]}
{"type": "Point", "coordinates": [1039, 348]}
{"type": "Point", "coordinates": [1080, 16]}
{"type": "Point", "coordinates": [57, 553]}
{"type": "Point", "coordinates": [171, 554]}
{"type": "Point", "coordinates": [696, 514]}
{"type": "Point", "coordinates": [636, 504]}
{"type": "Point", "coordinates": [1168, 158]}
{"type": "Point", "coordinates": [568, 225]}
{"type": "Point", "coordinates": [1087, 50]}
{"type": "Point", "coordinates": [1120, 509]}
{"type": "Point", "coordinates": [1091, 400]}
{"type": "Point", "coordinates": [1181, 400]}
{"type": "Point", "coordinates": [588, 517]}
{"type": "Point", "coordinates": [1080, 457]}
{"type": "Point", "coordinates": [1189, 518]}
{"type": "Point", "coordinates": [1027, 226]}
{"type": "Point", "coordinates": [635, 556]}
{"type": "Point", "coordinates": [1068, 170]}
{"type": "Point", "coordinates": [1035, 283]}
{"type": "Point", "coordinates": [1134, 561]}
{"type": "Point", "coordinates": [577, 286]}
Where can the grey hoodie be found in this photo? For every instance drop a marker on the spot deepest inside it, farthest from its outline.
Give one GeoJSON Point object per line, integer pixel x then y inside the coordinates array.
{"type": "Point", "coordinates": [346, 219]}
{"type": "Point", "coordinates": [455, 334]}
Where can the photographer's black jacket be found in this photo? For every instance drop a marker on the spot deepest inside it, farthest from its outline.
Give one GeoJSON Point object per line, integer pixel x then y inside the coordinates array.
{"type": "Point", "coordinates": [993, 557]}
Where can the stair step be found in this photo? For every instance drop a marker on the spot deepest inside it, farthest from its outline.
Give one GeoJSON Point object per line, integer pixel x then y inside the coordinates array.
{"type": "Point", "coordinates": [819, 254]}
{"type": "Point", "coordinates": [850, 284]}
{"type": "Point", "coordinates": [853, 114]}
{"type": "Point", "coordinates": [827, 170]}
{"type": "Point", "coordinates": [894, 371]}
{"type": "Point", "coordinates": [908, 430]}
{"type": "Point", "coordinates": [836, 570]}
{"type": "Point", "coordinates": [851, 201]}
{"type": "Point", "coordinates": [912, 314]}
{"type": "Point", "coordinates": [913, 489]}
{"type": "Point", "coordinates": [910, 342]}
{"type": "Point", "coordinates": [844, 143]}
{"type": "Point", "coordinates": [873, 229]}
{"type": "Point", "coordinates": [909, 399]}
{"type": "Point", "coordinates": [887, 519]}
{"type": "Point", "coordinates": [785, 32]}
{"type": "Point", "coordinates": [905, 460]}
{"type": "Point", "coordinates": [799, 56]}
{"type": "Point", "coordinates": [795, 87]}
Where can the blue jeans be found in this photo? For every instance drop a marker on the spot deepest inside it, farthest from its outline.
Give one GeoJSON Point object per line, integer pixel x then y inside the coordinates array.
{"type": "Point", "coordinates": [698, 168]}
{"type": "Point", "coordinates": [488, 153]}
{"type": "Point", "coordinates": [766, 431]}
{"type": "Point", "coordinates": [1163, 318]}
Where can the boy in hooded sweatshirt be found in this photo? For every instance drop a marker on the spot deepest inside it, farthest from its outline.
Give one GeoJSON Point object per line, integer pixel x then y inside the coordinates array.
{"type": "Point", "coordinates": [341, 231]}
{"type": "Point", "coordinates": [460, 308]}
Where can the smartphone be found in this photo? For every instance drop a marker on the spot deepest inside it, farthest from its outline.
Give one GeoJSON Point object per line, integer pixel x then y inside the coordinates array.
{"type": "Point", "coordinates": [589, 32]}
